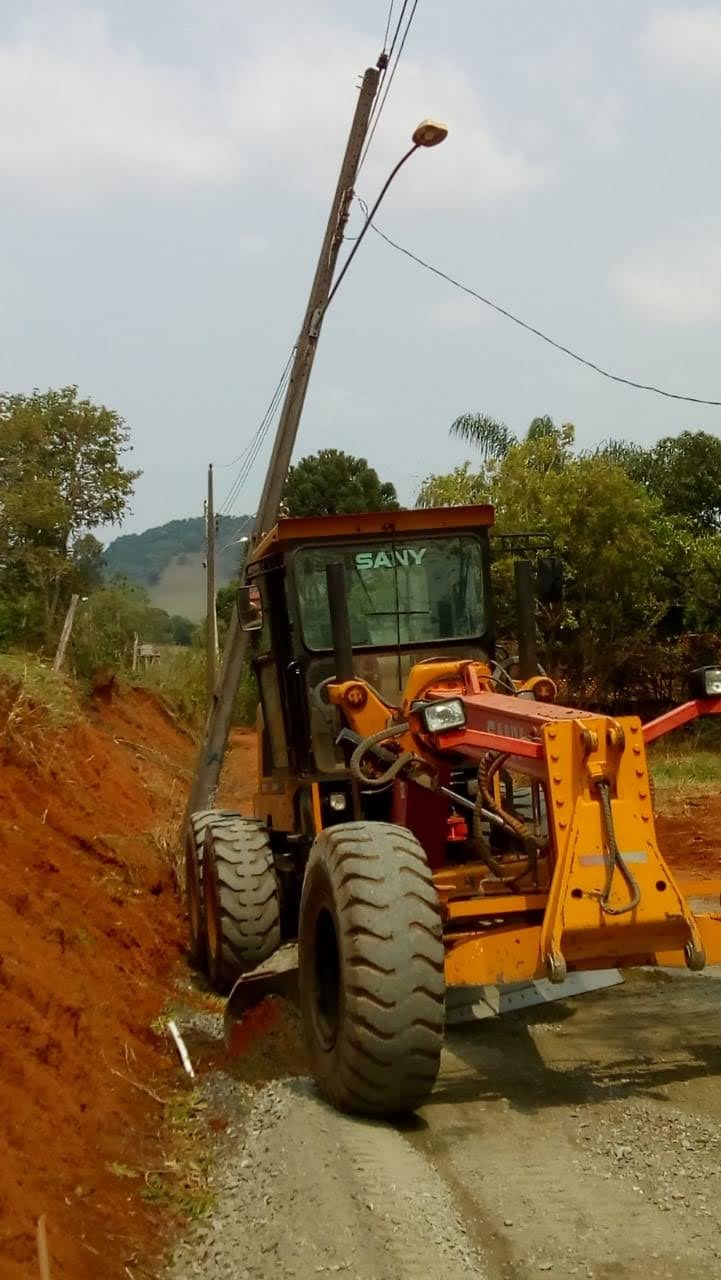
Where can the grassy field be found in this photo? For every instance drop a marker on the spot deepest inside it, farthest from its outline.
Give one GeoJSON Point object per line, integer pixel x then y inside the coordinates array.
{"type": "Point", "coordinates": [689, 760]}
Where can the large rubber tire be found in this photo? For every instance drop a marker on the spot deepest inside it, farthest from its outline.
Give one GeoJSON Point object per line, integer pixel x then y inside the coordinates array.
{"type": "Point", "coordinates": [241, 898]}
{"type": "Point", "coordinates": [372, 985]}
{"type": "Point", "coordinates": [194, 839]}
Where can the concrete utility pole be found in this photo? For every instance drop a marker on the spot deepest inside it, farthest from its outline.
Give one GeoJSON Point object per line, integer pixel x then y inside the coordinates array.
{"type": "Point", "coordinates": [211, 620]}
{"type": "Point", "coordinates": [211, 755]}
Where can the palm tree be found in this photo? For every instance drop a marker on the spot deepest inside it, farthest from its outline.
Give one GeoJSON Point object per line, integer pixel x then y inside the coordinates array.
{"type": "Point", "coordinates": [494, 439]}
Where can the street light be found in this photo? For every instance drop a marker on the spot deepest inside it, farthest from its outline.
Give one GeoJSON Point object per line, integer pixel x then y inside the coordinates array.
{"type": "Point", "coordinates": [429, 133]}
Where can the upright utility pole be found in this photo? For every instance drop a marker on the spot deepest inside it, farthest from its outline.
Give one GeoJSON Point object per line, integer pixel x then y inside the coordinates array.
{"type": "Point", "coordinates": [211, 755]}
{"type": "Point", "coordinates": [211, 625]}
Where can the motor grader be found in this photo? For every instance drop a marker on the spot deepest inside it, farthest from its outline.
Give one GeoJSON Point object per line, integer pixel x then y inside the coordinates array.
{"type": "Point", "coordinates": [426, 817]}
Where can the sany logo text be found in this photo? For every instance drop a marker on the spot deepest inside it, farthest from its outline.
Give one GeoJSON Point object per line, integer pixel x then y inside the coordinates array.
{"type": "Point", "coordinates": [404, 556]}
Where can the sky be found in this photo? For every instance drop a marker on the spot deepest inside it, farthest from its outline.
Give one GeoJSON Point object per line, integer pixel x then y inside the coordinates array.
{"type": "Point", "coordinates": [167, 170]}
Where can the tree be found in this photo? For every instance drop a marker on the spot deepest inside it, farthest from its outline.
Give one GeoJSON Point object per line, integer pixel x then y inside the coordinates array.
{"type": "Point", "coordinates": [611, 536]}
{"type": "Point", "coordinates": [331, 482]}
{"type": "Point", "coordinates": [61, 475]}
{"type": "Point", "coordinates": [495, 440]}
{"type": "Point", "coordinates": [181, 630]}
{"type": "Point", "coordinates": [683, 472]}
{"type": "Point", "coordinates": [106, 624]}
{"type": "Point", "coordinates": [461, 488]}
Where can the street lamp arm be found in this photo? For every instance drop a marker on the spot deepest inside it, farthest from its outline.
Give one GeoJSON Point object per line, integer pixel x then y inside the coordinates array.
{"type": "Point", "coordinates": [368, 221]}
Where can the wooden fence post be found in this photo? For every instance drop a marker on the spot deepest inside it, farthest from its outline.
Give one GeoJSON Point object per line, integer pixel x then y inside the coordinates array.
{"type": "Point", "coordinates": [66, 631]}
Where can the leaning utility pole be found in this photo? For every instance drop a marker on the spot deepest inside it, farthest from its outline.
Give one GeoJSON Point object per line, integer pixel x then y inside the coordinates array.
{"type": "Point", "coordinates": [211, 631]}
{"type": "Point", "coordinates": [211, 755]}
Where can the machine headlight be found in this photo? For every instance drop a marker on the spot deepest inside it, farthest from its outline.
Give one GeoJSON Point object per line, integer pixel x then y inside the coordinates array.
{"type": "Point", "coordinates": [337, 801]}
{"type": "Point", "coordinates": [439, 716]}
{"type": "Point", "coordinates": [706, 682]}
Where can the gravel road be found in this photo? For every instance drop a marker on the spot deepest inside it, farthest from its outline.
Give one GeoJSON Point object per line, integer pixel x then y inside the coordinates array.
{"type": "Point", "coordinates": [581, 1138]}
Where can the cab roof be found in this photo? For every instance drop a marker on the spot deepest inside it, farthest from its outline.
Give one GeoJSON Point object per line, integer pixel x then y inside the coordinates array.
{"type": "Point", "coordinates": [416, 520]}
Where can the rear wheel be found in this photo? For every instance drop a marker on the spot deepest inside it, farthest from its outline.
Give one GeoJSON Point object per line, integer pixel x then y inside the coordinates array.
{"type": "Point", "coordinates": [371, 968]}
{"type": "Point", "coordinates": [194, 839]}
{"type": "Point", "coordinates": [241, 898]}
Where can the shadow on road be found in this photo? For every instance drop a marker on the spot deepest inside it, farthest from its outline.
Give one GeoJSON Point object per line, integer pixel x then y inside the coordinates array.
{"type": "Point", "coordinates": [632, 1041]}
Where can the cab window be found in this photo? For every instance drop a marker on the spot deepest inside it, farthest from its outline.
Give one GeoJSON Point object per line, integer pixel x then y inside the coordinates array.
{"type": "Point", "coordinates": [414, 592]}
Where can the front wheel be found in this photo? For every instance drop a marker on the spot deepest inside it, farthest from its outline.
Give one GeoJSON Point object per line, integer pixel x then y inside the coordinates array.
{"type": "Point", "coordinates": [371, 955]}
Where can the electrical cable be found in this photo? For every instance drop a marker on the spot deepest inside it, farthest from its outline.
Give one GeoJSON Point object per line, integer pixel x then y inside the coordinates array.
{"type": "Point", "coordinates": [381, 100]}
{"type": "Point", "coordinates": [249, 454]}
{"type": "Point", "coordinates": [589, 364]}
{"type": "Point", "coordinates": [388, 24]}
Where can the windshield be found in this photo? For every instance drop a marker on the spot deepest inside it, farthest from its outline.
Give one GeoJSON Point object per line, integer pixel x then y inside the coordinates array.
{"type": "Point", "coordinates": [412, 592]}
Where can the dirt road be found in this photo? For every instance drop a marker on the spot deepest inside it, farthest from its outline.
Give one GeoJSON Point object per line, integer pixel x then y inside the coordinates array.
{"type": "Point", "coordinates": [580, 1139]}
{"type": "Point", "coordinates": [575, 1139]}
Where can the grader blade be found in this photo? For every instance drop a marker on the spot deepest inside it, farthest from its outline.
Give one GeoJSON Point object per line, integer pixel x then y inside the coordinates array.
{"type": "Point", "coordinates": [278, 976]}
{"type": "Point", "coordinates": [476, 1004]}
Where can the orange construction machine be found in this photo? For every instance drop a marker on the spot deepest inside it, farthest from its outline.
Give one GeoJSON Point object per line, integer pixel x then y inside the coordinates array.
{"type": "Point", "coordinates": [426, 816]}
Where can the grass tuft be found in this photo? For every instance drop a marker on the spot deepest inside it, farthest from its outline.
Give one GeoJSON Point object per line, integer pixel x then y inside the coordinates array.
{"type": "Point", "coordinates": [33, 699]}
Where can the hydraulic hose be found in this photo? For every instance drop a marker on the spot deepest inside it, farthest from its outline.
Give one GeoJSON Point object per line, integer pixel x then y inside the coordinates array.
{"type": "Point", "coordinates": [488, 767]}
{"type": "Point", "coordinates": [356, 760]}
{"type": "Point", "coordinates": [615, 859]}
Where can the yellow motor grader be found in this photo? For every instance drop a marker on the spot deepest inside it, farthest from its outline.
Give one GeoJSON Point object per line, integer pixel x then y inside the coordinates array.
{"type": "Point", "coordinates": [425, 819]}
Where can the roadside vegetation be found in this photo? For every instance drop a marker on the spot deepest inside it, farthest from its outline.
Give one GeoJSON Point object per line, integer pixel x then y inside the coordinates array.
{"type": "Point", "coordinates": [687, 761]}
{"type": "Point", "coordinates": [638, 532]}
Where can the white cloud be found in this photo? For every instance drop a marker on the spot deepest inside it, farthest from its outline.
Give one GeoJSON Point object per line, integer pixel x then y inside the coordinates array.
{"type": "Point", "coordinates": [474, 166]}
{"type": "Point", "coordinates": [686, 41]}
{"type": "Point", "coordinates": [82, 119]}
{"type": "Point", "coordinates": [85, 119]}
{"type": "Point", "coordinates": [675, 282]}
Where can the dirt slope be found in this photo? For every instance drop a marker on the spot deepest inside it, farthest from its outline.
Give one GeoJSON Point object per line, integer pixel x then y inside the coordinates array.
{"type": "Point", "coordinates": [90, 938]}
{"type": "Point", "coordinates": [612, 1100]}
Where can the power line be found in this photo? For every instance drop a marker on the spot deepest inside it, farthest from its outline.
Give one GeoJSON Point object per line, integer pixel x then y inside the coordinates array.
{"type": "Point", "coordinates": [559, 346]}
{"type": "Point", "coordinates": [388, 25]}
{"type": "Point", "coordinates": [381, 101]}
{"type": "Point", "coordinates": [254, 450]}
{"type": "Point", "coordinates": [248, 456]}
{"type": "Point", "coordinates": [223, 466]}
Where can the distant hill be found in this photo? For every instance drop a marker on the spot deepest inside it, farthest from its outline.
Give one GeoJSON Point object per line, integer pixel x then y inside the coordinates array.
{"type": "Point", "coordinates": [168, 561]}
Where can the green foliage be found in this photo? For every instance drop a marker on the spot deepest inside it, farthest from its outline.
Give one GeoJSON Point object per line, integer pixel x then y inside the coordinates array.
{"type": "Point", "coordinates": [603, 526]}
{"type": "Point", "coordinates": [33, 700]}
{"type": "Point", "coordinates": [107, 622]}
{"type": "Point", "coordinates": [683, 472]}
{"type": "Point", "coordinates": [492, 439]}
{"type": "Point", "coordinates": [179, 678]}
{"type": "Point", "coordinates": [615, 542]}
{"type": "Point", "coordinates": [461, 488]}
{"type": "Point", "coordinates": [181, 630]}
{"type": "Point", "coordinates": [60, 474]}
{"type": "Point", "coordinates": [334, 483]}
{"type": "Point", "coordinates": [105, 626]}
{"type": "Point", "coordinates": [225, 605]}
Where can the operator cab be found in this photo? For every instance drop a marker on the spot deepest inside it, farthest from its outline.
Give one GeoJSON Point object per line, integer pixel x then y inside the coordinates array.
{"type": "Point", "coordinates": [417, 586]}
